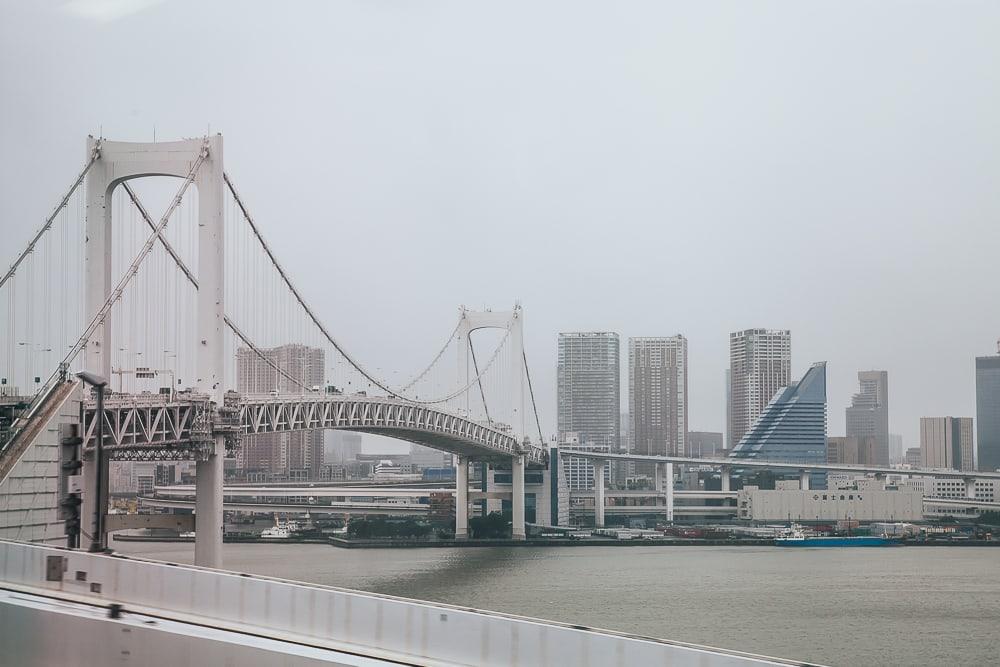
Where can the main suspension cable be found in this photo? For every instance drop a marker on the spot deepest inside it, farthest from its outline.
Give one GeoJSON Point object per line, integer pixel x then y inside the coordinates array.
{"type": "Point", "coordinates": [94, 154]}
{"type": "Point", "coordinates": [433, 361]}
{"type": "Point", "coordinates": [326, 334]}
{"type": "Point", "coordinates": [531, 392]}
{"type": "Point", "coordinates": [194, 281]}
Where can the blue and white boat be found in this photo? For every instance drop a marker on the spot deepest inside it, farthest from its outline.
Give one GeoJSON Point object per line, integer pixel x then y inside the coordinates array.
{"type": "Point", "coordinates": [797, 538]}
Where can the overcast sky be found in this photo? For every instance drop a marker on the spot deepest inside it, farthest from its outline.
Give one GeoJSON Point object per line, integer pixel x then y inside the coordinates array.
{"type": "Point", "coordinates": [641, 167]}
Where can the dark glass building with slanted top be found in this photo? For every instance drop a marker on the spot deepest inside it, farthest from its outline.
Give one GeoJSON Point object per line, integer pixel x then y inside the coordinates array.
{"type": "Point", "coordinates": [792, 428]}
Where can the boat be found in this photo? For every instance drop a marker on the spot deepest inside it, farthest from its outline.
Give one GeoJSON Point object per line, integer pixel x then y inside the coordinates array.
{"type": "Point", "coordinates": [282, 530]}
{"type": "Point", "coordinates": [797, 538]}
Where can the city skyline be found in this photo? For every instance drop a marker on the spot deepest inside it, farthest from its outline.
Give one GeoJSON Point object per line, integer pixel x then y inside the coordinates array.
{"type": "Point", "coordinates": [706, 168]}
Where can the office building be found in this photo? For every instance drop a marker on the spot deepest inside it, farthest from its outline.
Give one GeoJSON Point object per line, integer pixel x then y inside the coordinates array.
{"type": "Point", "coordinates": [868, 414]}
{"type": "Point", "coordinates": [760, 363]}
{"type": "Point", "coordinates": [842, 504]}
{"type": "Point", "coordinates": [988, 411]}
{"type": "Point", "coordinates": [851, 450]}
{"type": "Point", "coordinates": [657, 395]}
{"type": "Point", "coordinates": [579, 472]}
{"type": "Point", "coordinates": [588, 388]}
{"type": "Point", "coordinates": [912, 457]}
{"type": "Point", "coordinates": [282, 455]}
{"type": "Point", "coordinates": [842, 450]}
{"type": "Point", "coordinates": [987, 490]}
{"type": "Point", "coordinates": [792, 427]}
{"type": "Point", "coordinates": [704, 444]}
{"type": "Point", "coordinates": [946, 442]}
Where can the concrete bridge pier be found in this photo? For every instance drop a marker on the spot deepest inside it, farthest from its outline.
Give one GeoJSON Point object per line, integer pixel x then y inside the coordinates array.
{"type": "Point", "coordinates": [517, 498]}
{"type": "Point", "coordinates": [804, 480]}
{"type": "Point", "coordinates": [724, 474]}
{"type": "Point", "coordinates": [462, 498]}
{"type": "Point", "coordinates": [664, 483]}
{"type": "Point", "coordinates": [970, 487]}
{"type": "Point", "coordinates": [669, 474]}
{"type": "Point", "coordinates": [598, 493]}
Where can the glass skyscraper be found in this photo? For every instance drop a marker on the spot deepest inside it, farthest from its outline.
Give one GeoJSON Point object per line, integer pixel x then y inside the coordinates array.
{"type": "Point", "coordinates": [792, 427]}
{"type": "Point", "coordinates": [988, 411]}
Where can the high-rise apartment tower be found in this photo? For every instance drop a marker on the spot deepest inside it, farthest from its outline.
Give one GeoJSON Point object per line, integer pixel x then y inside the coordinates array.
{"type": "Point", "coordinates": [760, 364]}
{"type": "Point", "coordinates": [283, 455]}
{"type": "Point", "coordinates": [657, 395]}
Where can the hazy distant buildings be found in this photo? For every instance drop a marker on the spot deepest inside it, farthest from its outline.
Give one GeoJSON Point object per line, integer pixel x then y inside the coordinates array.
{"type": "Point", "coordinates": [792, 427]}
{"type": "Point", "coordinates": [657, 395]}
{"type": "Point", "coordinates": [896, 449]}
{"type": "Point", "coordinates": [760, 363]}
{"type": "Point", "coordinates": [588, 388]}
{"type": "Point", "coordinates": [341, 447]}
{"type": "Point", "coordinates": [988, 411]}
{"type": "Point", "coordinates": [868, 414]}
{"type": "Point", "coordinates": [289, 455]}
{"type": "Point", "coordinates": [946, 442]}
{"type": "Point", "coordinates": [842, 450]}
{"type": "Point", "coordinates": [912, 457]}
{"type": "Point", "coordinates": [704, 444]}
{"type": "Point", "coordinates": [428, 457]}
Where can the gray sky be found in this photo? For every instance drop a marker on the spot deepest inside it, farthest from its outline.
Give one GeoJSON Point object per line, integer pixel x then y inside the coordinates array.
{"type": "Point", "coordinates": [643, 167]}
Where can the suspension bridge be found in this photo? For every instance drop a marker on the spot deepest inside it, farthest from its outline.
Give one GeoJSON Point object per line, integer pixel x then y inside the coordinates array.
{"type": "Point", "coordinates": [183, 316]}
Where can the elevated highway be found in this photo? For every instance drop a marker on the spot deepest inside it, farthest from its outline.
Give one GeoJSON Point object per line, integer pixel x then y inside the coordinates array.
{"type": "Point", "coordinates": [761, 464]}
{"type": "Point", "coordinates": [339, 509]}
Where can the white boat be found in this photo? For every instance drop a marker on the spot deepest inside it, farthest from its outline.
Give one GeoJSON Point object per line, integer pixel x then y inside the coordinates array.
{"type": "Point", "coordinates": [277, 532]}
{"type": "Point", "coordinates": [282, 530]}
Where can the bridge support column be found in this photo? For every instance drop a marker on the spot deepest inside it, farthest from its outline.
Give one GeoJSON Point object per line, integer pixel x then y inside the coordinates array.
{"type": "Point", "coordinates": [89, 506]}
{"type": "Point", "coordinates": [658, 477]}
{"type": "Point", "coordinates": [208, 508]}
{"type": "Point", "coordinates": [970, 487]}
{"type": "Point", "coordinates": [724, 474]}
{"type": "Point", "coordinates": [804, 480]}
{"type": "Point", "coordinates": [517, 497]}
{"type": "Point", "coordinates": [598, 493]}
{"type": "Point", "coordinates": [211, 350]}
{"type": "Point", "coordinates": [669, 470]}
{"type": "Point", "coordinates": [462, 498]}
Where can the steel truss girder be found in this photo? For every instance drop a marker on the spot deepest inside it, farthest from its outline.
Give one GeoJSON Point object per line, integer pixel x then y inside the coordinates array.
{"type": "Point", "coordinates": [145, 428]}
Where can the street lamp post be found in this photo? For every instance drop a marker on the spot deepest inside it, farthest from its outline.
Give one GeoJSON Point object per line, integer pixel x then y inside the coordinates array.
{"type": "Point", "coordinates": [100, 504]}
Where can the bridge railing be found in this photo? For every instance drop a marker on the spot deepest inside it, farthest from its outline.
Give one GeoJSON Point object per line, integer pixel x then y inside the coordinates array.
{"type": "Point", "coordinates": [389, 628]}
